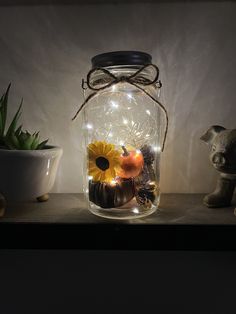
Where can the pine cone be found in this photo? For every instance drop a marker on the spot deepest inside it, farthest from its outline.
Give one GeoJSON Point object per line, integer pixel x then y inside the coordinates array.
{"type": "Point", "coordinates": [148, 154]}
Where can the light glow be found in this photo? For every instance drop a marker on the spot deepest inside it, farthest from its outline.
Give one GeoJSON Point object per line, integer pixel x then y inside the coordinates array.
{"type": "Point", "coordinates": [137, 154]}
{"type": "Point", "coordinates": [135, 210]}
{"type": "Point", "coordinates": [89, 126]}
{"type": "Point", "coordinates": [114, 104]}
{"type": "Point", "coordinates": [148, 112]}
{"type": "Point", "coordinates": [156, 148]}
{"type": "Point", "coordinates": [48, 166]}
{"type": "Point", "coordinates": [113, 182]}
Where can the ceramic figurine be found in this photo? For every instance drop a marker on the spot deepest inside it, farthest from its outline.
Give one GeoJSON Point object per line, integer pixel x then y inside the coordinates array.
{"type": "Point", "coordinates": [223, 157]}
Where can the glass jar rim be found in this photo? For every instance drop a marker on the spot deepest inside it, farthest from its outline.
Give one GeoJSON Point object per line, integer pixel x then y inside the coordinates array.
{"type": "Point", "coordinates": [116, 58]}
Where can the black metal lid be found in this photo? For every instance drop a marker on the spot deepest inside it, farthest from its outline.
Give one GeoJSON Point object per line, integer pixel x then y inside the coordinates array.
{"type": "Point", "coordinates": [121, 58]}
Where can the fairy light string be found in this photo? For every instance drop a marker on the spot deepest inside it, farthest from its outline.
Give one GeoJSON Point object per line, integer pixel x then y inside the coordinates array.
{"type": "Point", "coordinates": [135, 79]}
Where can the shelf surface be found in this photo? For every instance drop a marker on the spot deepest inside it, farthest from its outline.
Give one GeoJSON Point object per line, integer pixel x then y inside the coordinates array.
{"type": "Point", "coordinates": [72, 208]}
{"type": "Point", "coordinates": [181, 222]}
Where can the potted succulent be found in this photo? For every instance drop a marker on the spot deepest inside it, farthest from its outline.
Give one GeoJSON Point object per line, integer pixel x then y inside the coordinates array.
{"type": "Point", "coordinates": [28, 166]}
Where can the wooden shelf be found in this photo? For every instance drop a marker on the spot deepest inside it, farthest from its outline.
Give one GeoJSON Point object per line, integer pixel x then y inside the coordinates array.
{"type": "Point", "coordinates": [182, 222]}
{"type": "Point", "coordinates": [71, 208]}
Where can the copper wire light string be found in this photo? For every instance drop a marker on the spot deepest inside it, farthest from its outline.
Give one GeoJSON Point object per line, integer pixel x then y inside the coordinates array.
{"type": "Point", "coordinates": [134, 80]}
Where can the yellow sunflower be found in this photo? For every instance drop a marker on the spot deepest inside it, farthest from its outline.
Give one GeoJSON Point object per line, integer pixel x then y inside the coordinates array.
{"type": "Point", "coordinates": [103, 161]}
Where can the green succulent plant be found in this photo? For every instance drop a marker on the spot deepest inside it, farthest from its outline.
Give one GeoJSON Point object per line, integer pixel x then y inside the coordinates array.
{"type": "Point", "coordinates": [15, 137]}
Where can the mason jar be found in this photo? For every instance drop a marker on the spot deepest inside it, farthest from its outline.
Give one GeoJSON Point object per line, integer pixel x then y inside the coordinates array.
{"type": "Point", "coordinates": [123, 125]}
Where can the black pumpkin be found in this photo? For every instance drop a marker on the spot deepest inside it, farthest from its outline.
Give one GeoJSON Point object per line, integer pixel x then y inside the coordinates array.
{"type": "Point", "coordinates": [107, 195]}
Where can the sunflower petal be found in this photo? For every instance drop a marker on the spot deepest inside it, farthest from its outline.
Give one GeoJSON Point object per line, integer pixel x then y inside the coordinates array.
{"type": "Point", "coordinates": [107, 150]}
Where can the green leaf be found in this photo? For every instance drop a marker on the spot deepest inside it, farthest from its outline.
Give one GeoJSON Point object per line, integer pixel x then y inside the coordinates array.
{"type": "Point", "coordinates": [4, 102]}
{"type": "Point", "coordinates": [42, 144]}
{"type": "Point", "coordinates": [12, 142]}
{"type": "Point", "coordinates": [15, 138]}
{"type": "Point", "coordinates": [35, 143]}
{"type": "Point", "coordinates": [18, 131]}
{"type": "Point", "coordinates": [1, 117]}
{"type": "Point", "coordinates": [26, 140]}
{"type": "Point", "coordinates": [28, 143]}
{"type": "Point", "coordinates": [13, 124]}
{"type": "Point", "coordinates": [1, 99]}
{"type": "Point", "coordinates": [15, 141]}
{"type": "Point", "coordinates": [1, 124]}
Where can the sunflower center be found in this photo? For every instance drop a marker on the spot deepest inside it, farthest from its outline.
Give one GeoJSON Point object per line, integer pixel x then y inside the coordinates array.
{"type": "Point", "coordinates": [102, 163]}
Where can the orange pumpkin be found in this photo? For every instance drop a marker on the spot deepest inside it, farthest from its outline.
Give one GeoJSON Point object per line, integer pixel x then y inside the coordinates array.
{"type": "Point", "coordinates": [131, 163]}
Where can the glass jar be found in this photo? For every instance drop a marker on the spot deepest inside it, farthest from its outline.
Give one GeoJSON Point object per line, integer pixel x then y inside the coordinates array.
{"type": "Point", "coordinates": [123, 133]}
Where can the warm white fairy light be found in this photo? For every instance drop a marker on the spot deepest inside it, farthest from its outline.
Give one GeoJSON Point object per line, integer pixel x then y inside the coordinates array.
{"type": "Point", "coordinates": [89, 126]}
{"type": "Point", "coordinates": [138, 153]}
{"type": "Point", "coordinates": [127, 129]}
{"type": "Point", "coordinates": [113, 182]}
{"type": "Point", "coordinates": [156, 148]}
{"type": "Point", "coordinates": [135, 210]}
{"type": "Point", "coordinates": [114, 104]}
{"type": "Point", "coordinates": [90, 177]}
{"type": "Point", "coordinates": [134, 133]}
{"type": "Point", "coordinates": [121, 143]}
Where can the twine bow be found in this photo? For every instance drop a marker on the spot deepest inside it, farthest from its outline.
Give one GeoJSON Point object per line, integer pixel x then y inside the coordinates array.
{"type": "Point", "coordinates": [135, 79]}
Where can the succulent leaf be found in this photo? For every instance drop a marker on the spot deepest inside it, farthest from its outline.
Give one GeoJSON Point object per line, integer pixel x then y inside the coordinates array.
{"type": "Point", "coordinates": [4, 102]}
{"type": "Point", "coordinates": [18, 131]}
{"type": "Point", "coordinates": [1, 124]}
{"type": "Point", "coordinates": [12, 142]}
{"type": "Point", "coordinates": [42, 144]}
{"type": "Point", "coordinates": [24, 140]}
{"type": "Point", "coordinates": [13, 124]}
{"type": "Point", "coordinates": [35, 143]}
{"type": "Point", "coordinates": [15, 138]}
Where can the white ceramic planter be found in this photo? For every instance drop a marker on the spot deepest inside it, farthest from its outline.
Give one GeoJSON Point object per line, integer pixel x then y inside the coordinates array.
{"type": "Point", "coordinates": [26, 175]}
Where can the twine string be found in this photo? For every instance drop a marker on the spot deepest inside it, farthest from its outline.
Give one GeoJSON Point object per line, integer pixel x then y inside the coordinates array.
{"type": "Point", "coordinates": [135, 79]}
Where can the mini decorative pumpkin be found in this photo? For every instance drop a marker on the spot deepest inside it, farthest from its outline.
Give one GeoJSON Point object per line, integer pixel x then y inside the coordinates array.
{"type": "Point", "coordinates": [131, 163]}
{"type": "Point", "coordinates": [115, 194]}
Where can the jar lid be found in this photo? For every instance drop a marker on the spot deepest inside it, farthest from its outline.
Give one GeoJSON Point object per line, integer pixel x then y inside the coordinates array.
{"type": "Point", "coordinates": [121, 58]}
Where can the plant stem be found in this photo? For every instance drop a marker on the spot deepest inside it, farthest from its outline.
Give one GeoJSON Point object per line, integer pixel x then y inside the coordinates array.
{"type": "Point", "coordinates": [125, 151]}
